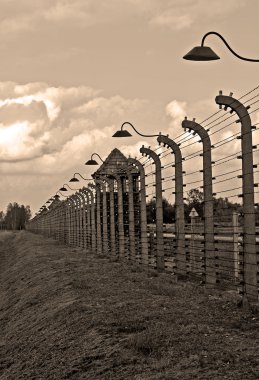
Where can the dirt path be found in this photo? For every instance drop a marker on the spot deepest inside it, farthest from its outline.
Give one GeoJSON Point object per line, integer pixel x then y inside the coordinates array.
{"type": "Point", "coordinates": [65, 314]}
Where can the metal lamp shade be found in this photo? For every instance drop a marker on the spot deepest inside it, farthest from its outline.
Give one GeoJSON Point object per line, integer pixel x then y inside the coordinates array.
{"type": "Point", "coordinates": [74, 179]}
{"type": "Point", "coordinates": [91, 162]}
{"type": "Point", "coordinates": [201, 53]}
{"type": "Point", "coordinates": [62, 189]}
{"type": "Point", "coordinates": [122, 133]}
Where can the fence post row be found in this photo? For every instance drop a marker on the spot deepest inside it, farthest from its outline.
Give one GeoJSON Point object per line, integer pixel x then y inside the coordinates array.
{"type": "Point", "coordinates": [110, 216]}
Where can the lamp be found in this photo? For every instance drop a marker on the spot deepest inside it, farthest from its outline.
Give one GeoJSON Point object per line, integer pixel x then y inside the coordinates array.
{"type": "Point", "coordinates": [93, 162]}
{"type": "Point", "coordinates": [205, 53]}
{"type": "Point", "coordinates": [64, 189]}
{"type": "Point", "coordinates": [74, 179]}
{"type": "Point", "coordinates": [125, 133]}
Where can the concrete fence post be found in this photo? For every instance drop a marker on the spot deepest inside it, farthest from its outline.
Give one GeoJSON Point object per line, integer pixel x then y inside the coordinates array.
{"type": "Point", "coordinates": [75, 220]}
{"type": "Point", "coordinates": [85, 221]}
{"type": "Point", "coordinates": [98, 216]}
{"type": "Point", "coordinates": [88, 208]}
{"type": "Point", "coordinates": [68, 210]}
{"type": "Point", "coordinates": [131, 215]}
{"type": "Point", "coordinates": [120, 216]}
{"type": "Point", "coordinates": [209, 245]}
{"type": "Point", "coordinates": [112, 233]}
{"type": "Point", "coordinates": [235, 244]}
{"type": "Point", "coordinates": [159, 207]}
{"type": "Point", "coordinates": [82, 219]}
{"type": "Point", "coordinates": [249, 232]}
{"type": "Point", "coordinates": [104, 216]}
{"type": "Point", "coordinates": [87, 213]}
{"type": "Point", "coordinates": [179, 204]}
{"type": "Point", "coordinates": [78, 219]}
{"type": "Point", "coordinates": [71, 213]}
{"type": "Point", "coordinates": [143, 210]}
{"type": "Point", "coordinates": [93, 225]}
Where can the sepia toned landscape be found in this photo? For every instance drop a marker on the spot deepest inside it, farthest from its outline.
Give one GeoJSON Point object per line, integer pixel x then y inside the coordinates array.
{"type": "Point", "coordinates": [129, 201]}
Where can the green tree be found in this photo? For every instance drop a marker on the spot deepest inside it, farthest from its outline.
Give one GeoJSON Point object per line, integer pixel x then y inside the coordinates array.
{"type": "Point", "coordinates": [2, 220]}
{"type": "Point", "coordinates": [194, 199]}
{"type": "Point", "coordinates": [151, 211]}
{"type": "Point", "coordinates": [223, 209]}
{"type": "Point", "coordinates": [17, 216]}
{"type": "Point", "coordinates": [168, 211]}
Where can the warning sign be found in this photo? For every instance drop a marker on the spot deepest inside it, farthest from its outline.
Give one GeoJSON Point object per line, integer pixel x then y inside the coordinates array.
{"type": "Point", "coordinates": [193, 213]}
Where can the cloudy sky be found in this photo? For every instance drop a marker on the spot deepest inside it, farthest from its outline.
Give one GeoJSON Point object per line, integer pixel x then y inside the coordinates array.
{"type": "Point", "coordinates": [73, 70]}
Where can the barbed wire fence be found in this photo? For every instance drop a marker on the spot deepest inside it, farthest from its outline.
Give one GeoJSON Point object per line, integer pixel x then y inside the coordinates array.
{"type": "Point", "coordinates": [219, 247]}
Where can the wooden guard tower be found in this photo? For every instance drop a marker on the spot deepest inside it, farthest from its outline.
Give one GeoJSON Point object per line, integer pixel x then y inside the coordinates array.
{"type": "Point", "coordinates": [124, 180]}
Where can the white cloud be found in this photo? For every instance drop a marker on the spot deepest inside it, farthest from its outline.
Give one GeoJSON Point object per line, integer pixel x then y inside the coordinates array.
{"type": "Point", "coordinates": [183, 14]}
{"type": "Point", "coordinates": [176, 111]}
{"type": "Point", "coordinates": [47, 124]}
{"type": "Point", "coordinates": [175, 14]}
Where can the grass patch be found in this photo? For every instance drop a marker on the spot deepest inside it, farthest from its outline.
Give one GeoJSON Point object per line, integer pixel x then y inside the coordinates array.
{"type": "Point", "coordinates": [67, 314]}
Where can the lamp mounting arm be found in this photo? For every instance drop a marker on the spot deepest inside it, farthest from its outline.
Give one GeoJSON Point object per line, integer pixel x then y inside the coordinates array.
{"type": "Point", "coordinates": [65, 184]}
{"type": "Point", "coordinates": [227, 45]}
{"type": "Point", "coordinates": [96, 154]}
{"type": "Point", "coordinates": [140, 134]}
{"type": "Point", "coordinates": [66, 196]}
{"type": "Point", "coordinates": [86, 179]}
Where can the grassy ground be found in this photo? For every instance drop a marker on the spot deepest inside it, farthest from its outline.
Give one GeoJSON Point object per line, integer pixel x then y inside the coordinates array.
{"type": "Point", "coordinates": [65, 314]}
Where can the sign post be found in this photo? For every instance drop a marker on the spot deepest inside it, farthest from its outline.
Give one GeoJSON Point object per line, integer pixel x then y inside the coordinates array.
{"type": "Point", "coordinates": [193, 215]}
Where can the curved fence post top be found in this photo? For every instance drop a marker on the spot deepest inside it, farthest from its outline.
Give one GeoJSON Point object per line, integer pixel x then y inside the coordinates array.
{"type": "Point", "coordinates": [169, 143]}
{"type": "Point", "coordinates": [193, 126]}
{"type": "Point", "coordinates": [80, 196]}
{"type": "Point", "coordinates": [76, 198]}
{"type": "Point", "coordinates": [70, 202]}
{"type": "Point", "coordinates": [149, 152]}
{"type": "Point", "coordinates": [92, 185]}
{"type": "Point", "coordinates": [232, 103]}
{"type": "Point", "coordinates": [88, 191]}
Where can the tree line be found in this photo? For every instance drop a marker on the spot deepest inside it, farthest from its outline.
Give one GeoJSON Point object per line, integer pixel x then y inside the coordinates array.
{"type": "Point", "coordinates": [15, 217]}
{"type": "Point", "coordinates": [222, 207]}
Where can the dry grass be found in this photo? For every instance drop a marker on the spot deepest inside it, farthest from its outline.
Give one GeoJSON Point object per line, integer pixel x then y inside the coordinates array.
{"type": "Point", "coordinates": [67, 314]}
{"type": "Point", "coordinates": [5, 235]}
